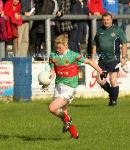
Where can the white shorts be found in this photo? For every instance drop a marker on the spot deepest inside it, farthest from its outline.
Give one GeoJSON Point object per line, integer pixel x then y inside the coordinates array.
{"type": "Point", "coordinates": [64, 91]}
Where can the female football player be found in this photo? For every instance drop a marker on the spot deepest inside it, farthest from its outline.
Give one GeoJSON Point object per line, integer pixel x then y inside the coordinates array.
{"type": "Point", "coordinates": [64, 64]}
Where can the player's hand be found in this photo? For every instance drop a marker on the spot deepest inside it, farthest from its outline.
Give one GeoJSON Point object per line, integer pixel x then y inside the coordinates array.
{"type": "Point", "coordinates": [123, 61]}
{"type": "Point", "coordinates": [59, 14]}
{"type": "Point", "coordinates": [103, 75]}
{"type": "Point", "coordinates": [52, 74]}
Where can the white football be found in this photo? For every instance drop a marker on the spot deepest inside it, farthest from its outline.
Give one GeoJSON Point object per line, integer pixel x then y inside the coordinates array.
{"type": "Point", "coordinates": [44, 77]}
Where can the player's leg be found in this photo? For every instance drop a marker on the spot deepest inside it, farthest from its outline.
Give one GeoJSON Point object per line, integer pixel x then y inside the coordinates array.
{"type": "Point", "coordinates": [64, 93]}
{"type": "Point", "coordinates": [111, 87]}
{"type": "Point", "coordinates": [67, 120]}
{"type": "Point", "coordinates": [103, 83]}
{"type": "Point", "coordinates": [114, 88]}
{"type": "Point", "coordinates": [68, 125]}
{"type": "Point", "coordinates": [56, 107]}
{"type": "Point", "coordinates": [59, 108]}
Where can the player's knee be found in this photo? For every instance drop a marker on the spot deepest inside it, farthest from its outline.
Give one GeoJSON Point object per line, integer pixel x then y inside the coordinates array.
{"type": "Point", "coordinates": [113, 82]}
{"type": "Point", "coordinates": [51, 109]}
{"type": "Point", "coordinates": [101, 82]}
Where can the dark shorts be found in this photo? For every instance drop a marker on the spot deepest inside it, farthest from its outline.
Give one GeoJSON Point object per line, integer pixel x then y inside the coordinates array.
{"type": "Point", "coordinates": [109, 66]}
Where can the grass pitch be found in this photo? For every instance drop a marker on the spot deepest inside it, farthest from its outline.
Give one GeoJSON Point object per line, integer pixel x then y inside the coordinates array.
{"type": "Point", "coordinates": [30, 126]}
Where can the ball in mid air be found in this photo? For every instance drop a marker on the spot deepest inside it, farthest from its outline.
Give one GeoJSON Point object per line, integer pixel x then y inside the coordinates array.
{"type": "Point", "coordinates": [44, 78]}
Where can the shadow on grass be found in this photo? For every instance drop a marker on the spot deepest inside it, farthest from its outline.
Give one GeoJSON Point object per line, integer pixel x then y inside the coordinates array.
{"type": "Point", "coordinates": [92, 105]}
{"type": "Point", "coordinates": [29, 138]}
{"type": "Point", "coordinates": [78, 105]}
{"type": "Point", "coordinates": [4, 137]}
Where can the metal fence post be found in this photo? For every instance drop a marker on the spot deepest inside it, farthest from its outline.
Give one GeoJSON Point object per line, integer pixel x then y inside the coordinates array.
{"type": "Point", "coordinates": [2, 49]}
{"type": "Point", "coordinates": [94, 28]}
{"type": "Point", "coordinates": [48, 36]}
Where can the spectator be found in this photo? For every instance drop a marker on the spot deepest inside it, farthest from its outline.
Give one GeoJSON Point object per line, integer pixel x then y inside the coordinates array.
{"type": "Point", "coordinates": [64, 9]}
{"type": "Point", "coordinates": [13, 20]}
{"type": "Point", "coordinates": [124, 8]}
{"type": "Point", "coordinates": [111, 6]}
{"type": "Point", "coordinates": [33, 49]}
{"type": "Point", "coordinates": [64, 26]}
{"type": "Point", "coordinates": [54, 31]}
{"type": "Point", "coordinates": [78, 7]}
{"type": "Point", "coordinates": [3, 34]}
{"type": "Point", "coordinates": [1, 8]}
{"type": "Point", "coordinates": [44, 7]}
{"type": "Point", "coordinates": [95, 7]}
{"type": "Point", "coordinates": [107, 44]}
{"type": "Point", "coordinates": [23, 30]}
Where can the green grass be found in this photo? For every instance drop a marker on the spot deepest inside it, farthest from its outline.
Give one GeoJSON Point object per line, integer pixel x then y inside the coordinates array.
{"type": "Point", "coordinates": [30, 126]}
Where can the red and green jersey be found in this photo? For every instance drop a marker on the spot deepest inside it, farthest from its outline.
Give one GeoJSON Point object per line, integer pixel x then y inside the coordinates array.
{"type": "Point", "coordinates": [66, 67]}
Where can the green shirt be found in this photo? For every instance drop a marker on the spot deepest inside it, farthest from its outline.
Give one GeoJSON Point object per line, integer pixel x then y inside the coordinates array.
{"type": "Point", "coordinates": [107, 41]}
{"type": "Point", "coordinates": [69, 58]}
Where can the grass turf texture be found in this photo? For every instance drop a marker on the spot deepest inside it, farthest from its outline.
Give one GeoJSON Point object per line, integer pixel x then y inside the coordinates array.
{"type": "Point", "coordinates": [30, 126]}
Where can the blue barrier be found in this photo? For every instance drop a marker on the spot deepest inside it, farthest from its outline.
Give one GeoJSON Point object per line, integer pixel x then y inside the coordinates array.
{"type": "Point", "coordinates": [22, 93]}
{"type": "Point", "coordinates": [22, 69]}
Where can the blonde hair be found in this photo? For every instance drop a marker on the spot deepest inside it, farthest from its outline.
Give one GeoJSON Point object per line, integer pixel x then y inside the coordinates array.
{"type": "Point", "coordinates": [62, 39]}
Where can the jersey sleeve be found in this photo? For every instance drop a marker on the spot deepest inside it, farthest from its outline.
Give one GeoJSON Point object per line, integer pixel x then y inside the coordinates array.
{"type": "Point", "coordinates": [80, 58]}
{"type": "Point", "coordinates": [122, 36]}
{"type": "Point", "coordinates": [51, 60]}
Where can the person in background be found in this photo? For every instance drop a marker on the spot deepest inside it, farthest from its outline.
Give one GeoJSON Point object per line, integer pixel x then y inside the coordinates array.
{"type": "Point", "coordinates": [95, 7]}
{"type": "Point", "coordinates": [63, 63]}
{"type": "Point", "coordinates": [43, 8]}
{"type": "Point", "coordinates": [3, 34]}
{"type": "Point", "coordinates": [77, 8]}
{"type": "Point", "coordinates": [66, 25]}
{"type": "Point", "coordinates": [1, 9]}
{"type": "Point", "coordinates": [107, 45]}
{"type": "Point", "coordinates": [112, 6]}
{"type": "Point", "coordinates": [54, 31]}
{"type": "Point", "coordinates": [124, 8]}
{"type": "Point", "coordinates": [23, 30]}
{"type": "Point", "coordinates": [13, 20]}
{"type": "Point", "coordinates": [34, 49]}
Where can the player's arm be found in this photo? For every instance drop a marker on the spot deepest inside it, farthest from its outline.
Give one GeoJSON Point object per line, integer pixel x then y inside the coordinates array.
{"type": "Point", "coordinates": [51, 63]}
{"type": "Point", "coordinates": [124, 52]}
{"type": "Point", "coordinates": [91, 62]}
{"type": "Point", "coordinates": [52, 73]}
{"type": "Point", "coordinates": [94, 65]}
{"type": "Point", "coordinates": [94, 46]}
{"type": "Point", "coordinates": [123, 41]}
{"type": "Point", "coordinates": [103, 74]}
{"type": "Point", "coordinates": [93, 52]}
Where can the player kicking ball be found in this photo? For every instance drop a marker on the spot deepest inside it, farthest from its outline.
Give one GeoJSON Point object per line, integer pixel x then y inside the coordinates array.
{"type": "Point", "coordinates": [64, 64]}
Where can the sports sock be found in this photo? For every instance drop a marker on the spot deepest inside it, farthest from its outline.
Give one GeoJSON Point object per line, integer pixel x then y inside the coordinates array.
{"type": "Point", "coordinates": [60, 113]}
{"type": "Point", "coordinates": [114, 93]}
{"type": "Point", "coordinates": [66, 118]}
{"type": "Point", "coordinates": [106, 87]}
{"type": "Point", "coordinates": [73, 131]}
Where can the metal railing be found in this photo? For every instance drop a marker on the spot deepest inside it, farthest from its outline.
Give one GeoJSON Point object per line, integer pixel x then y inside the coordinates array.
{"type": "Point", "coordinates": [48, 18]}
